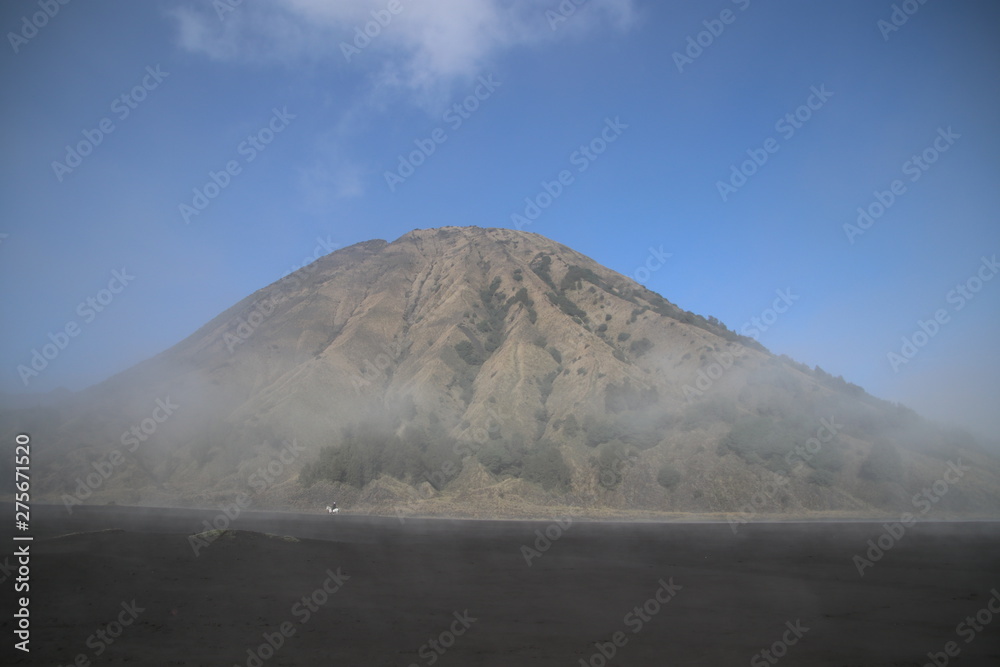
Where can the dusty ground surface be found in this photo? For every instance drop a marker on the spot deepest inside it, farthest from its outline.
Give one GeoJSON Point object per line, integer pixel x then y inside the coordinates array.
{"type": "Point", "coordinates": [382, 590]}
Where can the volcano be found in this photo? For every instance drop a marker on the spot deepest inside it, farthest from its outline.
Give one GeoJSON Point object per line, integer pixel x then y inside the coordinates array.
{"type": "Point", "coordinates": [491, 373]}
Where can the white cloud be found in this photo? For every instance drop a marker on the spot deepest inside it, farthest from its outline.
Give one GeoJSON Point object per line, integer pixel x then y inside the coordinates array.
{"type": "Point", "coordinates": [426, 46]}
{"type": "Point", "coordinates": [418, 56]}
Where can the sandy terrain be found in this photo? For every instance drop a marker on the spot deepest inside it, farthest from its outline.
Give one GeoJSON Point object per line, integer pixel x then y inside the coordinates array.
{"type": "Point", "coordinates": [381, 592]}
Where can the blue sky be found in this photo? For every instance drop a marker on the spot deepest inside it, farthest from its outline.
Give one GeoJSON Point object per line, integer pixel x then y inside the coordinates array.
{"type": "Point", "coordinates": [200, 78]}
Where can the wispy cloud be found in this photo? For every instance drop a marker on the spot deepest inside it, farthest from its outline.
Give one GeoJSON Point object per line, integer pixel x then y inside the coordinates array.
{"type": "Point", "coordinates": [425, 46]}
{"type": "Point", "coordinates": [415, 56]}
{"type": "Point", "coordinates": [328, 179]}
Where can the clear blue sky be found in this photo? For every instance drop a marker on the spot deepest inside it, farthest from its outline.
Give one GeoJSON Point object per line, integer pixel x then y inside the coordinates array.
{"type": "Point", "coordinates": [220, 74]}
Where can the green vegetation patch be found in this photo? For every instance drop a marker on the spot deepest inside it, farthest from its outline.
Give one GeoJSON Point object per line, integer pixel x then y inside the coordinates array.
{"type": "Point", "coordinates": [762, 440]}
{"type": "Point", "coordinates": [541, 264]}
{"type": "Point", "coordinates": [575, 275]}
{"type": "Point", "coordinates": [566, 305]}
{"type": "Point", "coordinates": [365, 452]}
{"type": "Point", "coordinates": [467, 351]}
{"type": "Point", "coordinates": [545, 465]}
{"type": "Point", "coordinates": [640, 347]}
{"type": "Point", "coordinates": [500, 458]}
{"type": "Point", "coordinates": [611, 462]}
{"type": "Point", "coordinates": [668, 476]}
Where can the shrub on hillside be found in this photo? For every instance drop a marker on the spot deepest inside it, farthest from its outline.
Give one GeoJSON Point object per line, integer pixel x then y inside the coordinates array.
{"type": "Point", "coordinates": [540, 265]}
{"type": "Point", "coordinates": [467, 351]}
{"type": "Point", "coordinates": [570, 427]}
{"type": "Point", "coordinates": [365, 452]}
{"type": "Point", "coordinates": [545, 466]}
{"type": "Point", "coordinates": [499, 459]}
{"type": "Point", "coordinates": [829, 459]}
{"type": "Point", "coordinates": [566, 305]}
{"type": "Point", "coordinates": [600, 431]}
{"type": "Point", "coordinates": [611, 462]}
{"type": "Point", "coordinates": [521, 296]}
{"type": "Point", "coordinates": [761, 440]}
{"type": "Point", "coordinates": [668, 476]}
{"type": "Point", "coordinates": [640, 347]}
{"type": "Point", "coordinates": [883, 464]}
{"type": "Point", "coordinates": [576, 274]}
{"type": "Point", "coordinates": [821, 478]}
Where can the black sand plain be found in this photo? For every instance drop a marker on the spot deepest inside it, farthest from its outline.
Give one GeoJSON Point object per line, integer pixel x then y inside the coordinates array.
{"type": "Point", "coordinates": [124, 586]}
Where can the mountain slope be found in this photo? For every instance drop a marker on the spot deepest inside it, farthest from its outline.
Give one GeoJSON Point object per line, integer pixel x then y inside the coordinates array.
{"type": "Point", "coordinates": [489, 372]}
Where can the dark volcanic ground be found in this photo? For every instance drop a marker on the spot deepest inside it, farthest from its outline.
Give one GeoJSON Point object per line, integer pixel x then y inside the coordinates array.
{"type": "Point", "coordinates": [379, 592]}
